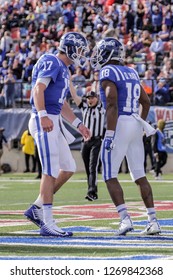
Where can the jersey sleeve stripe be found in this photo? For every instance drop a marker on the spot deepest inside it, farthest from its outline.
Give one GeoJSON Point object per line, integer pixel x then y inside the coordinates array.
{"type": "Point", "coordinates": [115, 72]}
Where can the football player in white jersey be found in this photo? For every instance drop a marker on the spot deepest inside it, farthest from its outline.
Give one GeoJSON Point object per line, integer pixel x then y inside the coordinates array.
{"type": "Point", "coordinates": [50, 85]}
{"type": "Point", "coordinates": [122, 94]}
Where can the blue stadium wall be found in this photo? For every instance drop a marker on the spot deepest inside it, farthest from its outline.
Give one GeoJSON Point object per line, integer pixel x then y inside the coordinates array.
{"type": "Point", "coordinates": [15, 121]}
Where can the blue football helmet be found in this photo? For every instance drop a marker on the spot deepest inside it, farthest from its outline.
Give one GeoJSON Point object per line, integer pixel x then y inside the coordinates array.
{"type": "Point", "coordinates": [75, 46]}
{"type": "Point", "coordinates": [107, 49]}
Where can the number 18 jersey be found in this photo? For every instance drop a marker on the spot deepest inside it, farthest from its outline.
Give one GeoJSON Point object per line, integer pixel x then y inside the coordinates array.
{"type": "Point", "coordinates": [127, 83]}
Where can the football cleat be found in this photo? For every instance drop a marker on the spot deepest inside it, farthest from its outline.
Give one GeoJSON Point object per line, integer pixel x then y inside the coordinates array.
{"type": "Point", "coordinates": [91, 197]}
{"type": "Point", "coordinates": [125, 226]}
{"type": "Point", "coordinates": [35, 215]}
{"type": "Point", "coordinates": [152, 228]}
{"type": "Point", "coordinates": [53, 231]}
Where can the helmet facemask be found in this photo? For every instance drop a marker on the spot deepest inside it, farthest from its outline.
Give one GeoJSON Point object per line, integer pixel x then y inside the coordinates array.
{"type": "Point", "coordinates": [75, 46]}
{"type": "Point", "coordinates": [106, 50]}
{"type": "Point", "coordinates": [79, 55]}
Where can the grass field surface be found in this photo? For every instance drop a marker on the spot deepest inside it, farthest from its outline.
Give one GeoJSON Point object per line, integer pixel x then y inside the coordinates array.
{"type": "Point", "coordinates": [93, 223]}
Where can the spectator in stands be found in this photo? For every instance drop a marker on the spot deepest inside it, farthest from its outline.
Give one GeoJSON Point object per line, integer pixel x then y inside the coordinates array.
{"type": "Point", "coordinates": [162, 94]}
{"type": "Point", "coordinates": [167, 68]}
{"type": "Point", "coordinates": [17, 68]}
{"type": "Point", "coordinates": [137, 44]}
{"type": "Point", "coordinates": [68, 14]}
{"type": "Point", "coordinates": [140, 15]}
{"type": "Point", "coordinates": [130, 19]}
{"type": "Point", "coordinates": [168, 18]}
{"type": "Point", "coordinates": [6, 42]}
{"type": "Point", "coordinates": [23, 53]}
{"type": "Point", "coordinates": [146, 38]}
{"type": "Point", "coordinates": [156, 49]}
{"type": "Point", "coordinates": [22, 18]}
{"type": "Point", "coordinates": [79, 81]}
{"type": "Point", "coordinates": [27, 70]}
{"type": "Point", "coordinates": [2, 56]}
{"type": "Point", "coordinates": [149, 83]}
{"type": "Point", "coordinates": [9, 88]}
{"type": "Point", "coordinates": [4, 68]}
{"type": "Point", "coordinates": [156, 16]}
{"type": "Point", "coordinates": [129, 50]}
{"type": "Point", "coordinates": [2, 100]}
{"type": "Point", "coordinates": [88, 25]}
{"type": "Point", "coordinates": [98, 32]}
{"type": "Point", "coordinates": [60, 27]}
{"type": "Point", "coordinates": [164, 33]}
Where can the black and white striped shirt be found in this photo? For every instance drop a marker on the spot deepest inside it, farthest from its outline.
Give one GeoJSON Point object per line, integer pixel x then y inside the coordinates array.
{"type": "Point", "coordinates": [93, 118]}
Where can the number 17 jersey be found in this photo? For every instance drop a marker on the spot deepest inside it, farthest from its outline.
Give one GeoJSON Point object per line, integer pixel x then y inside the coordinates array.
{"type": "Point", "coordinates": [128, 87]}
{"type": "Point", "coordinates": [50, 66]}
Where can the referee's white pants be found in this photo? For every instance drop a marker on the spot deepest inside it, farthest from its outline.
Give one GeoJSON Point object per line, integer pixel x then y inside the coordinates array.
{"type": "Point", "coordinates": [53, 149]}
{"type": "Point", "coordinates": [128, 142]}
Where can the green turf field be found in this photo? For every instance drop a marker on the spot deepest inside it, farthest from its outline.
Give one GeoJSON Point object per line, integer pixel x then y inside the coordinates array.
{"type": "Point", "coordinates": [93, 223]}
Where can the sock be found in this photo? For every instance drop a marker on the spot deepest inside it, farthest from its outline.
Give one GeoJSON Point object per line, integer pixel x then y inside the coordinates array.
{"type": "Point", "coordinates": [122, 211]}
{"type": "Point", "coordinates": [151, 214]}
{"type": "Point", "coordinates": [47, 213]}
{"type": "Point", "coordinates": [38, 202]}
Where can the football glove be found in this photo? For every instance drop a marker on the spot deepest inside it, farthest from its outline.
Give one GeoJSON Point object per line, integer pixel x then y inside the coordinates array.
{"type": "Point", "coordinates": [108, 143]}
{"type": "Point", "coordinates": [108, 140]}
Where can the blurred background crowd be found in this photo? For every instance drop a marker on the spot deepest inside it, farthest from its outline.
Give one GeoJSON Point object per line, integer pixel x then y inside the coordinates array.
{"type": "Point", "coordinates": [29, 28]}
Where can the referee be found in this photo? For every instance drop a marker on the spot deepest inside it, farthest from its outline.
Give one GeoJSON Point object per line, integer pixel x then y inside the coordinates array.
{"type": "Point", "coordinates": [93, 118]}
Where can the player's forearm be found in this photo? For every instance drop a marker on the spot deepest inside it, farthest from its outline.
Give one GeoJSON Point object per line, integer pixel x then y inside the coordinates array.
{"type": "Point", "coordinates": [39, 97]}
{"type": "Point", "coordinates": [77, 99]}
{"type": "Point", "coordinates": [111, 117]}
{"type": "Point", "coordinates": [67, 113]}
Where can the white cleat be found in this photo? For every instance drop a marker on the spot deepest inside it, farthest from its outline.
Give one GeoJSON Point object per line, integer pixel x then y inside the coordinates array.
{"type": "Point", "coordinates": [53, 230]}
{"type": "Point", "coordinates": [159, 177]}
{"type": "Point", "coordinates": [125, 226]}
{"type": "Point", "coordinates": [152, 228]}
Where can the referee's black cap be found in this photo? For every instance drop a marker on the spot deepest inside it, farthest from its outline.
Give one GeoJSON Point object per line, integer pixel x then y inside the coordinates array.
{"type": "Point", "coordinates": [91, 94]}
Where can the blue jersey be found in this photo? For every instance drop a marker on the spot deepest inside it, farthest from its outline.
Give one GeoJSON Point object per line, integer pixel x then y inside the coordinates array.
{"type": "Point", "coordinates": [127, 83]}
{"type": "Point", "coordinates": [49, 66]}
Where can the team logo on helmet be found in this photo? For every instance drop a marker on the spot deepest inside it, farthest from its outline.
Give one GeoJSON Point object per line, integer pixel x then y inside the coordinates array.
{"type": "Point", "coordinates": [75, 46]}
{"type": "Point", "coordinates": [105, 50]}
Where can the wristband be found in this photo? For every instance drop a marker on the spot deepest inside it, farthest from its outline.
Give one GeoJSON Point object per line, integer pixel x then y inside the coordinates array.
{"type": "Point", "coordinates": [76, 122]}
{"type": "Point", "coordinates": [42, 113]}
{"type": "Point", "coordinates": [109, 133]}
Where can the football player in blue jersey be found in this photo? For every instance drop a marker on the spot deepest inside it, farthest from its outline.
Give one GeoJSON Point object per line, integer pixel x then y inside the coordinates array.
{"type": "Point", "coordinates": [50, 85]}
{"type": "Point", "coordinates": [122, 95]}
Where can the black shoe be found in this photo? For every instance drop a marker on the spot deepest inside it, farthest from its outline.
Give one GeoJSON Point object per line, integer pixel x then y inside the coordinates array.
{"type": "Point", "coordinates": [91, 197]}
{"type": "Point", "coordinates": [38, 177]}
{"type": "Point", "coordinates": [26, 171]}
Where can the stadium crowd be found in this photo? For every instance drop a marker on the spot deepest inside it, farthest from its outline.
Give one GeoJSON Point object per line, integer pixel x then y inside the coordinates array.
{"type": "Point", "coordinates": [29, 28]}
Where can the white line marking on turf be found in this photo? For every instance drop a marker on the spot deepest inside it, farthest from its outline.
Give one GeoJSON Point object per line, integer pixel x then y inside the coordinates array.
{"type": "Point", "coordinates": [79, 181]}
